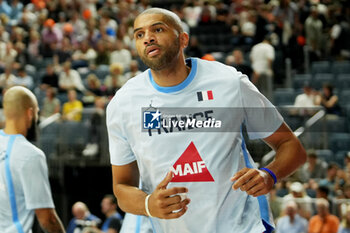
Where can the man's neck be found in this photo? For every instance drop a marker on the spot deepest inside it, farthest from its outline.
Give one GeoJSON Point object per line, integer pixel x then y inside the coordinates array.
{"type": "Point", "coordinates": [15, 127]}
{"type": "Point", "coordinates": [172, 76]}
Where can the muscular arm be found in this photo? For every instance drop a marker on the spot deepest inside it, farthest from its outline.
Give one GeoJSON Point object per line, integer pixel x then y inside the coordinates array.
{"type": "Point", "coordinates": [162, 202]}
{"type": "Point", "coordinates": [49, 221]}
{"type": "Point", "coordinates": [290, 154]}
{"type": "Point", "coordinates": [125, 183]}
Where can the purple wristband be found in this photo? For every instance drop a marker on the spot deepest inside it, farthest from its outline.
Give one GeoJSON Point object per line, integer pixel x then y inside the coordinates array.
{"type": "Point", "coordinates": [271, 173]}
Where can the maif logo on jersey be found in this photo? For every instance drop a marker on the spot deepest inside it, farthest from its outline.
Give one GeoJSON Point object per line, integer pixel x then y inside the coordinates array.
{"type": "Point", "coordinates": [190, 167]}
{"type": "Point", "coordinates": [151, 119]}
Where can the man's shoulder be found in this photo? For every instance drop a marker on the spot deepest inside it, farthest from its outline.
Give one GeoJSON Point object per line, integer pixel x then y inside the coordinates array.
{"type": "Point", "coordinates": [28, 149]}
{"type": "Point", "coordinates": [333, 218]}
{"type": "Point", "coordinates": [132, 86]}
{"type": "Point", "coordinates": [220, 70]}
{"type": "Point", "coordinates": [125, 94]}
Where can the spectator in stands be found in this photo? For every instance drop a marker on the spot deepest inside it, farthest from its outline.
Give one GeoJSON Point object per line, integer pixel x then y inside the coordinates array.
{"type": "Point", "coordinates": [262, 56]}
{"type": "Point", "coordinates": [72, 110]}
{"type": "Point", "coordinates": [7, 54]}
{"type": "Point", "coordinates": [291, 222]}
{"type": "Point", "coordinates": [323, 192]}
{"type": "Point", "coordinates": [78, 25]}
{"type": "Point", "coordinates": [113, 221]}
{"type": "Point", "coordinates": [51, 104]}
{"type": "Point", "coordinates": [51, 37]}
{"type": "Point", "coordinates": [120, 55]}
{"type": "Point", "coordinates": [282, 188]}
{"type": "Point", "coordinates": [33, 47]}
{"type": "Point", "coordinates": [22, 59]}
{"type": "Point", "coordinates": [332, 181]}
{"type": "Point", "coordinates": [82, 217]}
{"type": "Point", "coordinates": [133, 70]}
{"type": "Point", "coordinates": [115, 79]}
{"type": "Point", "coordinates": [16, 12]}
{"type": "Point", "coordinates": [329, 101]}
{"type": "Point", "coordinates": [342, 200]}
{"type": "Point", "coordinates": [286, 18]}
{"type": "Point", "coordinates": [70, 79]}
{"type": "Point", "coordinates": [275, 203]}
{"type": "Point", "coordinates": [97, 128]}
{"type": "Point", "coordinates": [84, 56]}
{"type": "Point", "coordinates": [7, 79]}
{"type": "Point", "coordinates": [307, 98]}
{"type": "Point", "coordinates": [313, 31]}
{"type": "Point", "coordinates": [63, 53]}
{"type": "Point", "coordinates": [4, 35]}
{"type": "Point", "coordinates": [194, 49]}
{"type": "Point", "coordinates": [93, 89]}
{"type": "Point", "coordinates": [323, 222]}
{"type": "Point", "coordinates": [314, 168]}
{"type": "Point", "coordinates": [298, 194]}
{"type": "Point", "coordinates": [345, 222]}
{"type": "Point", "coordinates": [102, 54]}
{"type": "Point", "coordinates": [240, 64]}
{"type": "Point", "coordinates": [50, 78]}
{"type": "Point", "coordinates": [23, 79]}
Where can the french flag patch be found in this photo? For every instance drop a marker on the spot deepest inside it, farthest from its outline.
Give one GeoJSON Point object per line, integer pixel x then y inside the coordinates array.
{"type": "Point", "coordinates": [205, 95]}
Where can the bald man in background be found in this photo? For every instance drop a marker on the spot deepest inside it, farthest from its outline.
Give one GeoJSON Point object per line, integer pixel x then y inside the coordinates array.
{"type": "Point", "coordinates": [24, 184]}
{"type": "Point", "coordinates": [82, 217]}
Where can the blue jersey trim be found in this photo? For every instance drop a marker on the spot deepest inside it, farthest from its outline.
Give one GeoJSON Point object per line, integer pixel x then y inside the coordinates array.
{"type": "Point", "coordinates": [9, 181]}
{"type": "Point", "coordinates": [138, 224]}
{"type": "Point", "coordinates": [153, 228]}
{"type": "Point", "coordinates": [180, 86]}
{"type": "Point", "coordinates": [263, 204]}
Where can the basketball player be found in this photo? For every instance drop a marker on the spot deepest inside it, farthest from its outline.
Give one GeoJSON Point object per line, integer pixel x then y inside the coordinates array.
{"type": "Point", "coordinates": [192, 180]}
{"type": "Point", "coordinates": [24, 185]}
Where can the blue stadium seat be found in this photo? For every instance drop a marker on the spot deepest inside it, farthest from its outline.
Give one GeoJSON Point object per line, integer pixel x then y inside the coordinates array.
{"type": "Point", "coordinates": [343, 81]}
{"type": "Point", "coordinates": [294, 122]}
{"type": "Point", "coordinates": [339, 142]}
{"type": "Point", "coordinates": [102, 71]}
{"type": "Point", "coordinates": [344, 97]}
{"type": "Point", "coordinates": [322, 78]}
{"type": "Point", "coordinates": [325, 155]}
{"type": "Point", "coordinates": [48, 139]}
{"type": "Point", "coordinates": [72, 137]}
{"type": "Point", "coordinates": [340, 67]}
{"type": "Point", "coordinates": [300, 79]}
{"type": "Point", "coordinates": [339, 158]}
{"type": "Point", "coordinates": [338, 125]}
{"type": "Point", "coordinates": [284, 96]}
{"type": "Point", "coordinates": [321, 67]}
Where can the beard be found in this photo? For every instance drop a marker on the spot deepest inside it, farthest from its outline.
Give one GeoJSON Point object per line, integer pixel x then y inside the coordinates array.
{"type": "Point", "coordinates": [32, 133]}
{"type": "Point", "coordinates": [160, 62]}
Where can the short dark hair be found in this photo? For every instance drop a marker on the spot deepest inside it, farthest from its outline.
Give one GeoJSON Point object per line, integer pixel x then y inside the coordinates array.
{"type": "Point", "coordinates": [169, 17]}
{"type": "Point", "coordinates": [112, 198]}
{"type": "Point", "coordinates": [323, 189]}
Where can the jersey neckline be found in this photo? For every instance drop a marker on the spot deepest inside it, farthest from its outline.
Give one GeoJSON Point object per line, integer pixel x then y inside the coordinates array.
{"type": "Point", "coordinates": [2, 132]}
{"type": "Point", "coordinates": [189, 62]}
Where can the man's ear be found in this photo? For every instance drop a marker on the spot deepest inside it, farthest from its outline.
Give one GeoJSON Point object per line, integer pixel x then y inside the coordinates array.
{"type": "Point", "coordinates": [184, 39]}
{"type": "Point", "coordinates": [30, 114]}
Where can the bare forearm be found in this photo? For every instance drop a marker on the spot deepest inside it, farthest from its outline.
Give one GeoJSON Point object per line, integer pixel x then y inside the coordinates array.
{"type": "Point", "coordinates": [49, 221]}
{"type": "Point", "coordinates": [130, 199]}
{"type": "Point", "coordinates": [289, 156]}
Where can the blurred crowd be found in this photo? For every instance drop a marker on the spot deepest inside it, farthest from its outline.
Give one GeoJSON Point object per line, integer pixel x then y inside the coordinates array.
{"type": "Point", "coordinates": [316, 198]}
{"type": "Point", "coordinates": [76, 54]}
